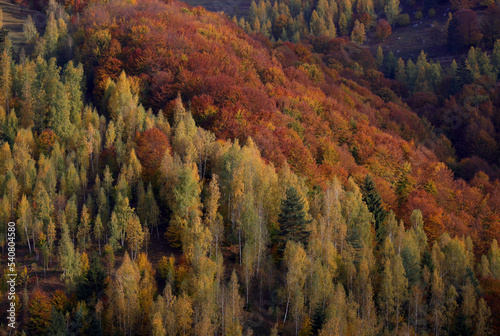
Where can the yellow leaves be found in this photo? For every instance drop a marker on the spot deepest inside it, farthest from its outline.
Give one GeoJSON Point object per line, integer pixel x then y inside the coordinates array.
{"type": "Point", "coordinates": [312, 71]}
{"type": "Point", "coordinates": [183, 313]}
{"type": "Point", "coordinates": [273, 75]}
{"type": "Point", "coordinates": [84, 260]}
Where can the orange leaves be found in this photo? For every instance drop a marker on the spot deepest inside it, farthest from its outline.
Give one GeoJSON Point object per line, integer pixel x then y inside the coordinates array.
{"type": "Point", "coordinates": [152, 145]}
{"type": "Point", "coordinates": [383, 29]}
{"type": "Point", "coordinates": [46, 140]}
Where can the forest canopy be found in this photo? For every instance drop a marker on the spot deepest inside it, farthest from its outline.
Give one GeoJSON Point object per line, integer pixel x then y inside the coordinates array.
{"type": "Point", "coordinates": [170, 174]}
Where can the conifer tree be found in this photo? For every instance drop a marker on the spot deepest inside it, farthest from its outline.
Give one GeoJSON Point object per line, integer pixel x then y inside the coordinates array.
{"type": "Point", "coordinates": [292, 219]}
{"type": "Point", "coordinates": [374, 203]}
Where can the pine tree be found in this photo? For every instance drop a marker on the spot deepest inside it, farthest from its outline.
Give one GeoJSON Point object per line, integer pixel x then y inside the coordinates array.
{"type": "Point", "coordinates": [374, 203]}
{"type": "Point", "coordinates": [292, 219]}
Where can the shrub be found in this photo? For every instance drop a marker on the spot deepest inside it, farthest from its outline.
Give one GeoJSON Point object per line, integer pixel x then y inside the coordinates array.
{"type": "Point", "coordinates": [432, 12]}
{"type": "Point", "coordinates": [403, 20]}
{"type": "Point", "coordinates": [418, 15]}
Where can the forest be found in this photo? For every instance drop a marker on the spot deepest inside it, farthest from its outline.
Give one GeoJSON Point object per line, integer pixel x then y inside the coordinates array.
{"type": "Point", "coordinates": [173, 171]}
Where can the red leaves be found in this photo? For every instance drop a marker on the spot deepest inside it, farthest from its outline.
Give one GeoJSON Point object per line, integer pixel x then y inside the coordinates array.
{"type": "Point", "coordinates": [384, 29]}
{"type": "Point", "coordinates": [151, 148]}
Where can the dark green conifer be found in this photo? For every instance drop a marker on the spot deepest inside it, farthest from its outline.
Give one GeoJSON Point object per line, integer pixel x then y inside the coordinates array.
{"type": "Point", "coordinates": [374, 203]}
{"type": "Point", "coordinates": [292, 219]}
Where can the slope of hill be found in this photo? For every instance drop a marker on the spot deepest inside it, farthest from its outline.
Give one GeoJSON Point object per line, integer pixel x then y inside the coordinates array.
{"type": "Point", "coordinates": [308, 104]}
{"type": "Point", "coordinates": [216, 183]}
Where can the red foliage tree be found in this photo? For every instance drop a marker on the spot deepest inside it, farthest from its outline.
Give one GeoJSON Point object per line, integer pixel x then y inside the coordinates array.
{"type": "Point", "coordinates": [383, 29]}
{"type": "Point", "coordinates": [39, 310]}
{"type": "Point", "coordinates": [151, 148]}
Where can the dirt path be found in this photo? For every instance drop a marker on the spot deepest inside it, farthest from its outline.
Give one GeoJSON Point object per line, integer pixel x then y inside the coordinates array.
{"type": "Point", "coordinates": [14, 17]}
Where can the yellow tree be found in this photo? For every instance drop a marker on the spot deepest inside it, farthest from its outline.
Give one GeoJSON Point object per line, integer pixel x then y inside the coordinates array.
{"type": "Point", "coordinates": [296, 264]}
{"type": "Point", "coordinates": [233, 309]}
{"type": "Point", "coordinates": [134, 235]}
{"type": "Point", "coordinates": [124, 295]}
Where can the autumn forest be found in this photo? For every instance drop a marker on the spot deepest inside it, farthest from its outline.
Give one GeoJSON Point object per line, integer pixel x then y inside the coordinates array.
{"type": "Point", "coordinates": [284, 168]}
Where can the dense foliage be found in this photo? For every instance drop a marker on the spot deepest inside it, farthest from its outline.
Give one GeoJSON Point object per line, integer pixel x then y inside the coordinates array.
{"type": "Point", "coordinates": [226, 185]}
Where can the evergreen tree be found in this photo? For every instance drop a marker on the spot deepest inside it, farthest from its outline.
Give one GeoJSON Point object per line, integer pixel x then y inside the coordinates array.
{"type": "Point", "coordinates": [374, 202]}
{"type": "Point", "coordinates": [318, 320]}
{"type": "Point", "coordinates": [292, 219]}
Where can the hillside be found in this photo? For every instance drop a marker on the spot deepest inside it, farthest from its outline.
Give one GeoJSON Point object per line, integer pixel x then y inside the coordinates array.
{"type": "Point", "coordinates": [309, 109]}
{"type": "Point", "coordinates": [171, 174]}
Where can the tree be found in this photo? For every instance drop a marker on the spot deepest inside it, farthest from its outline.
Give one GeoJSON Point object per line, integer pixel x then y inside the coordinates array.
{"type": "Point", "coordinates": [482, 319]}
{"type": "Point", "coordinates": [292, 219]}
{"type": "Point", "coordinates": [358, 33]}
{"type": "Point", "coordinates": [383, 29]}
{"type": "Point", "coordinates": [392, 11]}
{"type": "Point", "coordinates": [25, 218]}
{"type": "Point", "coordinates": [152, 145]}
{"type": "Point", "coordinates": [98, 230]}
{"type": "Point", "coordinates": [213, 218]}
{"type": "Point", "coordinates": [153, 210]}
{"type": "Point", "coordinates": [318, 26]}
{"type": "Point", "coordinates": [83, 234]}
{"type": "Point", "coordinates": [463, 30]}
{"type": "Point", "coordinates": [343, 24]}
{"type": "Point", "coordinates": [69, 258]}
{"type": "Point", "coordinates": [39, 311]}
{"type": "Point", "coordinates": [404, 183]}
{"type": "Point", "coordinates": [494, 259]}
{"type": "Point", "coordinates": [124, 295]}
{"type": "Point", "coordinates": [135, 235]}
{"type": "Point", "coordinates": [401, 71]}
{"type": "Point", "coordinates": [5, 80]}
{"type": "Point", "coordinates": [296, 262]}
{"type": "Point", "coordinates": [374, 203]}
{"type": "Point", "coordinates": [380, 57]}
{"type": "Point", "coordinates": [436, 304]}
{"type": "Point", "coordinates": [51, 35]}
{"type": "Point", "coordinates": [183, 314]}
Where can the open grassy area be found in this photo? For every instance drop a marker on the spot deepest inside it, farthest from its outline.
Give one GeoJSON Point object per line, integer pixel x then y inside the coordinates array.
{"type": "Point", "coordinates": [230, 7]}
{"type": "Point", "coordinates": [14, 17]}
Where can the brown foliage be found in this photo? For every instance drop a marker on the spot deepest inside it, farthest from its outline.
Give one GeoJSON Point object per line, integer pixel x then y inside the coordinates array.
{"type": "Point", "coordinates": [151, 148]}
{"type": "Point", "coordinates": [383, 29]}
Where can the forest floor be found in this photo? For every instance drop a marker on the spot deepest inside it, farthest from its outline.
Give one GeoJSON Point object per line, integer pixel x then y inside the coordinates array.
{"type": "Point", "coordinates": [14, 17]}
